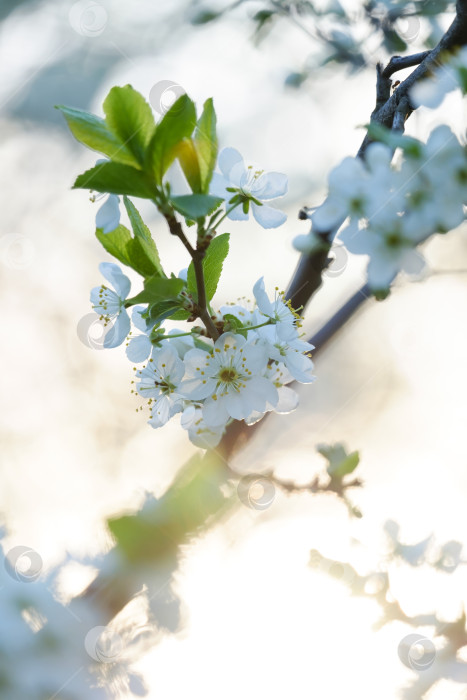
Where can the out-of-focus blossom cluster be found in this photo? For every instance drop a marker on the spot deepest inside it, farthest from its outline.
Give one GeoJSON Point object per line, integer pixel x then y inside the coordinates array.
{"type": "Point", "coordinates": [448, 76]}
{"type": "Point", "coordinates": [52, 650]}
{"type": "Point", "coordinates": [385, 210]}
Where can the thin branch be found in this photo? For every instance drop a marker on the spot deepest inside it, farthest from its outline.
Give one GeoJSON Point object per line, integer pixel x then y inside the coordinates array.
{"type": "Point", "coordinates": [454, 37]}
{"type": "Point", "coordinates": [201, 303]}
{"type": "Point", "coordinates": [175, 229]}
{"type": "Point", "coordinates": [400, 62]}
{"type": "Point", "coordinates": [308, 276]}
{"type": "Point", "coordinates": [197, 256]}
{"type": "Point", "coordinates": [403, 112]}
{"type": "Point", "coordinates": [337, 322]}
{"type": "Point", "coordinates": [305, 282]}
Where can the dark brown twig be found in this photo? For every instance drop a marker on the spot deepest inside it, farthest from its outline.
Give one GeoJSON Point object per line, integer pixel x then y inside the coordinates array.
{"type": "Point", "coordinates": [400, 62]}
{"type": "Point", "coordinates": [455, 37]}
{"type": "Point", "coordinates": [197, 255]}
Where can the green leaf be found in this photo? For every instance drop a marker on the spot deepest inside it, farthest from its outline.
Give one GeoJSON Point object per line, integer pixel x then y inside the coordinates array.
{"type": "Point", "coordinates": [198, 495]}
{"type": "Point", "coordinates": [196, 206]}
{"type": "Point", "coordinates": [212, 266]}
{"type": "Point", "coordinates": [116, 178]}
{"type": "Point", "coordinates": [144, 238]}
{"type": "Point", "coordinates": [162, 310]}
{"type": "Point", "coordinates": [188, 158]}
{"type": "Point", "coordinates": [205, 140]}
{"type": "Point", "coordinates": [340, 463]}
{"type": "Point", "coordinates": [181, 315]}
{"type": "Point", "coordinates": [130, 118]}
{"type": "Point", "coordinates": [117, 243]}
{"type": "Point", "coordinates": [158, 289]}
{"type": "Point", "coordinates": [94, 133]}
{"type": "Point", "coordinates": [176, 124]}
{"type": "Point", "coordinates": [130, 251]}
{"type": "Point", "coordinates": [234, 324]}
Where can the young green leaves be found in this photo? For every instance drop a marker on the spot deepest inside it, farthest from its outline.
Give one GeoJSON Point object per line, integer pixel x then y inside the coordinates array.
{"type": "Point", "coordinates": [177, 124]}
{"type": "Point", "coordinates": [196, 206]}
{"type": "Point", "coordinates": [138, 251]}
{"type": "Point", "coordinates": [340, 462]}
{"type": "Point", "coordinates": [212, 266]}
{"type": "Point", "coordinates": [198, 154]}
{"type": "Point", "coordinates": [140, 152]}
{"type": "Point", "coordinates": [95, 133]}
{"type": "Point", "coordinates": [130, 118]}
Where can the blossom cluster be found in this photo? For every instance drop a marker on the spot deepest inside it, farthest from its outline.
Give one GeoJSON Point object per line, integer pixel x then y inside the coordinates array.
{"type": "Point", "coordinates": [447, 76]}
{"type": "Point", "coordinates": [65, 650]}
{"type": "Point", "coordinates": [240, 376]}
{"type": "Point", "coordinates": [385, 210]}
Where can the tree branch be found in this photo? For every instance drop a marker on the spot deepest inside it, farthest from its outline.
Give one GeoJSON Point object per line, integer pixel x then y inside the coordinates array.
{"type": "Point", "coordinates": [201, 303]}
{"type": "Point", "coordinates": [308, 275]}
{"type": "Point", "coordinates": [400, 62]}
{"type": "Point", "coordinates": [306, 280]}
{"type": "Point", "coordinates": [403, 112]}
{"type": "Point", "coordinates": [454, 37]}
{"type": "Point", "coordinates": [197, 256]}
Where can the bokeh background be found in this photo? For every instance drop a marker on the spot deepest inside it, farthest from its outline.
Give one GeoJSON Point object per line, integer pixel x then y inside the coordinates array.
{"type": "Point", "coordinates": [258, 621]}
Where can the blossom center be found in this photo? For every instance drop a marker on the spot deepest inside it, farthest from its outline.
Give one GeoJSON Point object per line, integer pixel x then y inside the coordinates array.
{"type": "Point", "coordinates": [251, 177]}
{"type": "Point", "coordinates": [356, 206]}
{"type": "Point", "coordinates": [164, 385]}
{"type": "Point", "coordinates": [228, 375]}
{"type": "Point", "coordinates": [393, 240]}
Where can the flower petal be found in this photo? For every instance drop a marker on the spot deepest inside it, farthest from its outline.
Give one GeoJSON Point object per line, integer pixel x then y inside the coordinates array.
{"type": "Point", "coordinates": [117, 279]}
{"type": "Point", "coordinates": [288, 400]}
{"type": "Point", "coordinates": [197, 388]}
{"type": "Point", "coordinates": [382, 269]}
{"type": "Point", "coordinates": [237, 214]}
{"type": "Point", "coordinates": [215, 413]}
{"type": "Point", "coordinates": [168, 363]}
{"type": "Point", "coordinates": [268, 217]}
{"type": "Point", "coordinates": [300, 367]}
{"type": "Point", "coordinates": [270, 186]}
{"type": "Point", "coordinates": [118, 331]}
{"type": "Point", "coordinates": [139, 348]}
{"type": "Point", "coordinates": [331, 214]}
{"type": "Point", "coordinates": [108, 216]}
{"type": "Point", "coordinates": [413, 263]}
{"type": "Point", "coordinates": [260, 393]}
{"type": "Point", "coordinates": [228, 158]}
{"type": "Point", "coordinates": [137, 319]}
{"type": "Point", "coordinates": [218, 186]}
{"type": "Point", "coordinates": [262, 299]}
{"type": "Point", "coordinates": [237, 404]}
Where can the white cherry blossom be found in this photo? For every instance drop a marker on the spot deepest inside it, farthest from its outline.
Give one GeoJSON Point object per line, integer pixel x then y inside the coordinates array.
{"type": "Point", "coordinates": [199, 432]}
{"type": "Point", "coordinates": [254, 187]}
{"type": "Point", "coordinates": [278, 311]}
{"type": "Point", "coordinates": [159, 382]}
{"type": "Point", "coordinates": [110, 304]}
{"type": "Point", "coordinates": [290, 352]}
{"type": "Point", "coordinates": [229, 379]}
{"type": "Point", "coordinates": [390, 250]}
{"type": "Point", "coordinates": [278, 373]}
{"type": "Point", "coordinates": [448, 76]}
